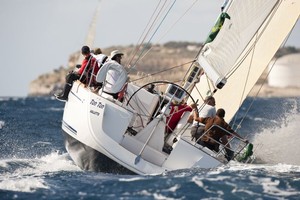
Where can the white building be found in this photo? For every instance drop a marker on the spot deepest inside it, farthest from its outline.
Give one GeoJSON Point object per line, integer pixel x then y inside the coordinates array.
{"type": "Point", "coordinates": [285, 72]}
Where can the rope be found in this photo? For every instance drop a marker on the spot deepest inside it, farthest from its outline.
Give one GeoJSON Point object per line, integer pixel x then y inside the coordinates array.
{"type": "Point", "coordinates": [171, 68]}
{"type": "Point", "coordinates": [262, 84]}
{"type": "Point", "coordinates": [245, 84]}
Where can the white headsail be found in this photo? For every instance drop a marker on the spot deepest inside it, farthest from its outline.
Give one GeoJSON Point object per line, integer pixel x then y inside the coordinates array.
{"type": "Point", "coordinates": [243, 48]}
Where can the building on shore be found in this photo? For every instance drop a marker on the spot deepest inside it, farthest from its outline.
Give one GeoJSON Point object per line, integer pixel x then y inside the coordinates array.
{"type": "Point", "coordinates": [285, 72]}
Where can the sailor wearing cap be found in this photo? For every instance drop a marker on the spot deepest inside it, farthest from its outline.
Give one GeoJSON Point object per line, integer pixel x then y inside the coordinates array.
{"type": "Point", "coordinates": [116, 55]}
{"type": "Point", "coordinates": [83, 72]}
{"type": "Point", "coordinates": [113, 75]}
{"type": "Point", "coordinates": [206, 111]}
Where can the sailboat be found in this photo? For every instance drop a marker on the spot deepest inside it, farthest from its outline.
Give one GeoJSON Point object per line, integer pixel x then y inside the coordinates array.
{"type": "Point", "coordinates": [129, 135]}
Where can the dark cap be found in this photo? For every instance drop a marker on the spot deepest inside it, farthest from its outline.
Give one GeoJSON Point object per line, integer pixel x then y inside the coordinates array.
{"type": "Point", "coordinates": [85, 50]}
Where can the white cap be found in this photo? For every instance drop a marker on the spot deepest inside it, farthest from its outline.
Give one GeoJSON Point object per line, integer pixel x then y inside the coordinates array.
{"type": "Point", "coordinates": [114, 53]}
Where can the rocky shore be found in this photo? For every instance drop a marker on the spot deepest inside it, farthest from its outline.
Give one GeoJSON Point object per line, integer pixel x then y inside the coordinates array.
{"type": "Point", "coordinates": [268, 91]}
{"type": "Point", "coordinates": [160, 58]}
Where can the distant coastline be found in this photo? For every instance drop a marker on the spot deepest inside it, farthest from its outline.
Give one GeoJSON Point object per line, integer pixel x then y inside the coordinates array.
{"type": "Point", "coordinates": [161, 57]}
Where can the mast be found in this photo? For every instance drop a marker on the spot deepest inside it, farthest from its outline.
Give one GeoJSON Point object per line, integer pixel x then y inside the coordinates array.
{"type": "Point", "coordinates": [90, 38]}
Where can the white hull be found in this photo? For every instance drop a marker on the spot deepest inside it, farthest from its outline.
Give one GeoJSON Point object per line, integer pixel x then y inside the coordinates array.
{"type": "Point", "coordinates": [89, 159]}
{"type": "Point", "coordinates": [101, 124]}
{"type": "Point", "coordinates": [132, 133]}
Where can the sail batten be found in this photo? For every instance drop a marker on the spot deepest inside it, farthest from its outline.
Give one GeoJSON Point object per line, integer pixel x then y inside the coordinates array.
{"type": "Point", "coordinates": [246, 17]}
{"type": "Point", "coordinates": [253, 58]}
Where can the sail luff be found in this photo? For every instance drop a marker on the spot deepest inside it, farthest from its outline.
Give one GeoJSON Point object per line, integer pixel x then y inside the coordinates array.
{"type": "Point", "coordinates": [272, 33]}
{"type": "Point", "coordinates": [245, 18]}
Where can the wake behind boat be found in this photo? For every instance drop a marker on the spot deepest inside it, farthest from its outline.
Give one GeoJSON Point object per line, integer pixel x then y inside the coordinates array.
{"type": "Point", "coordinates": [130, 134]}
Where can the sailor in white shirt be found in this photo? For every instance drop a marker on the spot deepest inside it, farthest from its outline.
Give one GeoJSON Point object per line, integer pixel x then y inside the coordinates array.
{"type": "Point", "coordinates": [100, 57]}
{"type": "Point", "coordinates": [113, 75]}
{"type": "Point", "coordinates": [199, 118]}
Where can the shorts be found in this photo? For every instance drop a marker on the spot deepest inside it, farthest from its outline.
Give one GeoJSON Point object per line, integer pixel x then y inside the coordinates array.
{"type": "Point", "coordinates": [197, 132]}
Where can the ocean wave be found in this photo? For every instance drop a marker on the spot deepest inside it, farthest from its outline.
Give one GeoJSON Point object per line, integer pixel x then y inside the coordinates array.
{"type": "Point", "coordinates": [2, 123]}
{"type": "Point", "coordinates": [278, 168]}
{"type": "Point", "coordinates": [55, 109]}
{"type": "Point", "coordinates": [28, 175]}
{"type": "Point", "coordinates": [254, 181]}
{"type": "Point", "coordinates": [24, 184]}
{"type": "Point", "coordinates": [272, 187]}
{"type": "Point", "coordinates": [11, 98]}
{"type": "Point", "coordinates": [279, 144]}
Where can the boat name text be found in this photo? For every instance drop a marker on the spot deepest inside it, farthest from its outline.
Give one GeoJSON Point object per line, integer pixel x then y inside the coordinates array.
{"type": "Point", "coordinates": [97, 104]}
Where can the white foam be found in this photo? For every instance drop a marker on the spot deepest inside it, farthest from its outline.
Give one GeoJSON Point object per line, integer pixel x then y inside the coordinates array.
{"type": "Point", "coordinates": [3, 164]}
{"type": "Point", "coordinates": [2, 123]}
{"type": "Point", "coordinates": [279, 145]}
{"type": "Point", "coordinates": [41, 143]}
{"type": "Point", "coordinates": [198, 181]}
{"type": "Point", "coordinates": [174, 188]}
{"type": "Point", "coordinates": [160, 196]}
{"type": "Point", "coordinates": [131, 179]}
{"type": "Point", "coordinates": [55, 109]}
{"type": "Point", "coordinates": [24, 184]}
{"type": "Point", "coordinates": [270, 186]}
{"type": "Point", "coordinates": [279, 168]}
{"type": "Point", "coordinates": [144, 193]}
{"type": "Point", "coordinates": [5, 98]}
{"type": "Point", "coordinates": [28, 174]}
{"type": "Point", "coordinates": [55, 162]}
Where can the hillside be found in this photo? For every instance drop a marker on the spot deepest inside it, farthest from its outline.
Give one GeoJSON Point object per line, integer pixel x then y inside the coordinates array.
{"type": "Point", "coordinates": [175, 56]}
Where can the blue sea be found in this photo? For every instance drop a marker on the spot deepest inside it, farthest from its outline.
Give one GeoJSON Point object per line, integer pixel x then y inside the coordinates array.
{"type": "Point", "coordinates": [35, 165]}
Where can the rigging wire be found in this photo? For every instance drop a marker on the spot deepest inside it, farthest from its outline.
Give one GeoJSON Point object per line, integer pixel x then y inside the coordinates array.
{"type": "Point", "coordinates": [148, 43]}
{"type": "Point", "coordinates": [209, 84]}
{"type": "Point", "coordinates": [264, 81]}
{"type": "Point", "coordinates": [170, 28]}
{"type": "Point", "coordinates": [171, 68]}
{"type": "Point", "coordinates": [141, 41]}
{"type": "Point", "coordinates": [252, 46]}
{"type": "Point", "coordinates": [246, 81]}
{"type": "Point", "coordinates": [251, 49]}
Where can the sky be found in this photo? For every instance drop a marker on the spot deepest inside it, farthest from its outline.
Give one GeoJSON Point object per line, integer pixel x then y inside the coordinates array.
{"type": "Point", "coordinates": [38, 36]}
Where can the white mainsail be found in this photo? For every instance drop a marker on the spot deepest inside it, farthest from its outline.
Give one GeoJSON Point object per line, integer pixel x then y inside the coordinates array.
{"type": "Point", "coordinates": [234, 36]}
{"type": "Point", "coordinates": [242, 50]}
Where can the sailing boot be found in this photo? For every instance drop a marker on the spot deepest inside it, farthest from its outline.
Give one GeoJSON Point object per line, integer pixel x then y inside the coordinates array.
{"type": "Point", "coordinates": [65, 94]}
